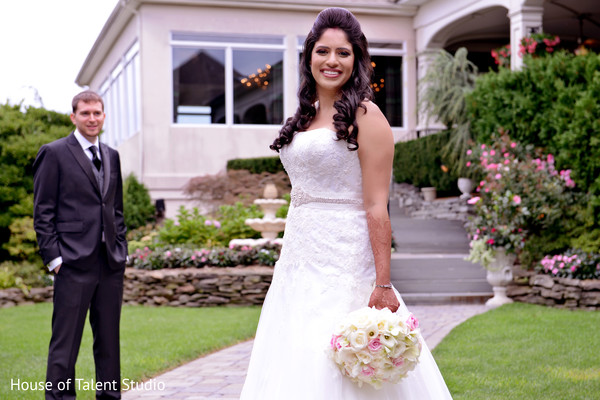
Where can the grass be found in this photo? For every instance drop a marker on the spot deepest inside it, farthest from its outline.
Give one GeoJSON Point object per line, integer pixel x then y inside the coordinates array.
{"type": "Point", "coordinates": [522, 351]}
{"type": "Point", "coordinates": [152, 340]}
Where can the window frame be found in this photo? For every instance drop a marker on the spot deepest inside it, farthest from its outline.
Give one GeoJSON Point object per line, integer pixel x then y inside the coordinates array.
{"type": "Point", "coordinates": [221, 43]}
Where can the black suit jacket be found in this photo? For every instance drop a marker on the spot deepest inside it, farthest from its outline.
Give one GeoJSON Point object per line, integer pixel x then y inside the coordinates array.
{"type": "Point", "coordinates": [71, 210]}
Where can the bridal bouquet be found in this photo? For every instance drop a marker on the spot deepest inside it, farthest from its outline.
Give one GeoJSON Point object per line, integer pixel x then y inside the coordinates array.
{"type": "Point", "coordinates": [374, 346]}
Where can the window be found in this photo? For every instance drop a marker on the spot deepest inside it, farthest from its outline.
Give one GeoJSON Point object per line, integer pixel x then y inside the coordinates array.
{"type": "Point", "coordinates": [227, 79]}
{"type": "Point", "coordinates": [386, 59]}
{"type": "Point", "coordinates": [120, 92]}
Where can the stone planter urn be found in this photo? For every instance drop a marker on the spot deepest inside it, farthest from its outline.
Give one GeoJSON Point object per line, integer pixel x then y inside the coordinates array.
{"type": "Point", "coordinates": [465, 185]}
{"type": "Point", "coordinates": [499, 275]}
{"type": "Point", "coordinates": [429, 193]}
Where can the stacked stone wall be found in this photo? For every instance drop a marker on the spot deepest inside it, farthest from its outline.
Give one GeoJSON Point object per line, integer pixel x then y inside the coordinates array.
{"type": "Point", "coordinates": [531, 287]}
{"type": "Point", "coordinates": [185, 287]}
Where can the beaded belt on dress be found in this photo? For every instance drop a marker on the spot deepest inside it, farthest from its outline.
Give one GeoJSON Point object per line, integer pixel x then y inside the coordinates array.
{"type": "Point", "coordinates": [300, 197]}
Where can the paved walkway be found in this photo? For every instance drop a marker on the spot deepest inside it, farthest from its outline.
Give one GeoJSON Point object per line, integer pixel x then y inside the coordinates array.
{"type": "Point", "coordinates": [221, 375]}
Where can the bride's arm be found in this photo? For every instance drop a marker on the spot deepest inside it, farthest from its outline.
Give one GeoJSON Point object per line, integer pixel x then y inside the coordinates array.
{"type": "Point", "coordinates": [376, 154]}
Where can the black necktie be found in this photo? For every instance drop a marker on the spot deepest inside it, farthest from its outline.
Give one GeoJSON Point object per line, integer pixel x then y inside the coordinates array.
{"type": "Point", "coordinates": [95, 158]}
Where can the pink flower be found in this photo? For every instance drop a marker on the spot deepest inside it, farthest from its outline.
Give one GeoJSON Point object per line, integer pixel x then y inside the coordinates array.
{"type": "Point", "coordinates": [492, 152]}
{"type": "Point", "coordinates": [490, 241]}
{"type": "Point", "coordinates": [573, 268]}
{"type": "Point", "coordinates": [168, 253]}
{"type": "Point", "coordinates": [208, 222]}
{"type": "Point", "coordinates": [513, 145]}
{"type": "Point", "coordinates": [368, 370]}
{"type": "Point", "coordinates": [473, 200]}
{"type": "Point", "coordinates": [375, 345]}
{"type": "Point", "coordinates": [469, 152]}
{"type": "Point", "coordinates": [517, 199]}
{"type": "Point", "coordinates": [481, 183]}
{"type": "Point", "coordinates": [335, 342]}
{"type": "Point", "coordinates": [398, 361]}
{"type": "Point", "coordinates": [217, 224]}
{"type": "Point", "coordinates": [193, 258]}
{"type": "Point", "coordinates": [468, 163]}
{"type": "Point", "coordinates": [412, 322]}
{"type": "Point", "coordinates": [498, 176]}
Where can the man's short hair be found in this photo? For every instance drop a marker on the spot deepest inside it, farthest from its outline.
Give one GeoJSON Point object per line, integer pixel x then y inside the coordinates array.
{"type": "Point", "coordinates": [87, 96]}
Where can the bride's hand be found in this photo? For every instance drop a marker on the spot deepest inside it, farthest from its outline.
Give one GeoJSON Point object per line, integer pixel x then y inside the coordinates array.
{"type": "Point", "coordinates": [383, 297]}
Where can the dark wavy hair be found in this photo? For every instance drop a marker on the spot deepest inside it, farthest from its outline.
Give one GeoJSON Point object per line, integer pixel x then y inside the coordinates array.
{"type": "Point", "coordinates": [353, 93]}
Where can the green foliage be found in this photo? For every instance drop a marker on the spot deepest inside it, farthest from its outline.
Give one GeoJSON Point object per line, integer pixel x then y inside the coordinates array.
{"type": "Point", "coordinates": [23, 275]}
{"type": "Point", "coordinates": [137, 205]}
{"type": "Point", "coordinates": [421, 162]}
{"type": "Point", "coordinates": [21, 136]}
{"type": "Point", "coordinates": [197, 229]}
{"type": "Point", "coordinates": [22, 245]}
{"type": "Point", "coordinates": [442, 93]}
{"type": "Point", "coordinates": [551, 103]}
{"type": "Point", "coordinates": [257, 165]}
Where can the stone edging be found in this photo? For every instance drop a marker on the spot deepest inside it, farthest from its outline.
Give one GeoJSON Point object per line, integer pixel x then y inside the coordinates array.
{"type": "Point", "coordinates": [188, 287]}
{"type": "Point", "coordinates": [531, 287]}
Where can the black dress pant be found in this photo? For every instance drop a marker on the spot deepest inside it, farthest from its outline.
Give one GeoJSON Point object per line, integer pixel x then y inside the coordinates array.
{"type": "Point", "coordinates": [98, 289]}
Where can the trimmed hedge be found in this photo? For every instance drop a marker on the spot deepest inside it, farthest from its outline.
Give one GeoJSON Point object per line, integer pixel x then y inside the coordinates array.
{"type": "Point", "coordinates": [257, 165]}
{"type": "Point", "coordinates": [421, 163]}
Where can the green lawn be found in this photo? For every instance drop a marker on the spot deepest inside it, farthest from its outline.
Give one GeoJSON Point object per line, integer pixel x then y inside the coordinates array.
{"type": "Point", "coordinates": [152, 340]}
{"type": "Point", "coordinates": [521, 351]}
{"type": "Point", "coordinates": [518, 351]}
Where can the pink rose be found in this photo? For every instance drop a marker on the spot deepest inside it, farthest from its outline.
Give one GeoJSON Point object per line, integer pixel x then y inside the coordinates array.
{"type": "Point", "coordinates": [469, 152]}
{"type": "Point", "coordinates": [375, 345]}
{"type": "Point", "coordinates": [498, 176]}
{"type": "Point", "coordinates": [412, 322]}
{"type": "Point", "coordinates": [398, 361]}
{"type": "Point", "coordinates": [490, 241]}
{"type": "Point", "coordinates": [368, 370]}
{"type": "Point", "coordinates": [468, 163]}
{"type": "Point", "coordinates": [513, 145]}
{"type": "Point", "coordinates": [168, 253]}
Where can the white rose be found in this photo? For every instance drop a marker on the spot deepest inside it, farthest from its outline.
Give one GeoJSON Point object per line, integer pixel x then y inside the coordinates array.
{"type": "Point", "coordinates": [358, 340]}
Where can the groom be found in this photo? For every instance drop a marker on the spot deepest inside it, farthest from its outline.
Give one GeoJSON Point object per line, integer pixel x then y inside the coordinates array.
{"type": "Point", "coordinates": [78, 219]}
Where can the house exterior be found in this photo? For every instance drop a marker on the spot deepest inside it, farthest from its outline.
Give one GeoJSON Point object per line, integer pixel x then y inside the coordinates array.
{"type": "Point", "coordinates": [190, 84]}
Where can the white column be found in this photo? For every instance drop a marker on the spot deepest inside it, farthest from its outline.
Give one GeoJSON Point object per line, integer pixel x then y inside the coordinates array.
{"type": "Point", "coordinates": [523, 20]}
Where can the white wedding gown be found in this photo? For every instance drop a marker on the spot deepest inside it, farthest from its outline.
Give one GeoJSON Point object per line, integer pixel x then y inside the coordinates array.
{"type": "Point", "coordinates": [325, 271]}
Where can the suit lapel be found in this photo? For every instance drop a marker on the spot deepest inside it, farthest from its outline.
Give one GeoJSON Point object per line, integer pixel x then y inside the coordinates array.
{"type": "Point", "coordinates": [82, 159]}
{"type": "Point", "coordinates": [105, 166]}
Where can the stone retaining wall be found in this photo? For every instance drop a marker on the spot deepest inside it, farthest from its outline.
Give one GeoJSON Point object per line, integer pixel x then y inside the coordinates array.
{"type": "Point", "coordinates": [531, 287]}
{"type": "Point", "coordinates": [188, 287]}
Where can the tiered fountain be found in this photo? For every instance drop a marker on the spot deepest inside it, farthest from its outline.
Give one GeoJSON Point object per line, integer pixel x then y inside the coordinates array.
{"type": "Point", "coordinates": [269, 226]}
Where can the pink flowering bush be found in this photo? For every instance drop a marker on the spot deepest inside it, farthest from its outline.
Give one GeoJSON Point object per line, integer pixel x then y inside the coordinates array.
{"type": "Point", "coordinates": [537, 44]}
{"type": "Point", "coordinates": [191, 257]}
{"type": "Point", "coordinates": [520, 194]}
{"type": "Point", "coordinates": [575, 264]}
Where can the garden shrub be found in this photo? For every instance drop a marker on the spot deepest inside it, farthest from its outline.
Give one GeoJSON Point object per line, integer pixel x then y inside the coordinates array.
{"type": "Point", "coordinates": [552, 104]}
{"type": "Point", "coordinates": [421, 163]}
{"type": "Point", "coordinates": [138, 209]}
{"type": "Point", "coordinates": [21, 136]}
{"type": "Point", "coordinates": [257, 165]}
{"type": "Point", "coordinates": [197, 229]}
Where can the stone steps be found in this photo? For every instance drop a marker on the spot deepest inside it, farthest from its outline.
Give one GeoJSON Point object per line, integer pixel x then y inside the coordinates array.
{"type": "Point", "coordinates": [439, 278]}
{"type": "Point", "coordinates": [429, 265]}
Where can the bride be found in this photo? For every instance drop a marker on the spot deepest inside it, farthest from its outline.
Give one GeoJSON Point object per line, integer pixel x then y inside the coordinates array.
{"type": "Point", "coordinates": [338, 150]}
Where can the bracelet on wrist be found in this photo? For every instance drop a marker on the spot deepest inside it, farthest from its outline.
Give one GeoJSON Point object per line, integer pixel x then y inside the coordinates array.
{"type": "Point", "coordinates": [389, 286]}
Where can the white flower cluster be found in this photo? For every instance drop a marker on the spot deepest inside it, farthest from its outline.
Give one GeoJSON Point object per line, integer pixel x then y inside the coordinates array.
{"type": "Point", "coordinates": [375, 346]}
